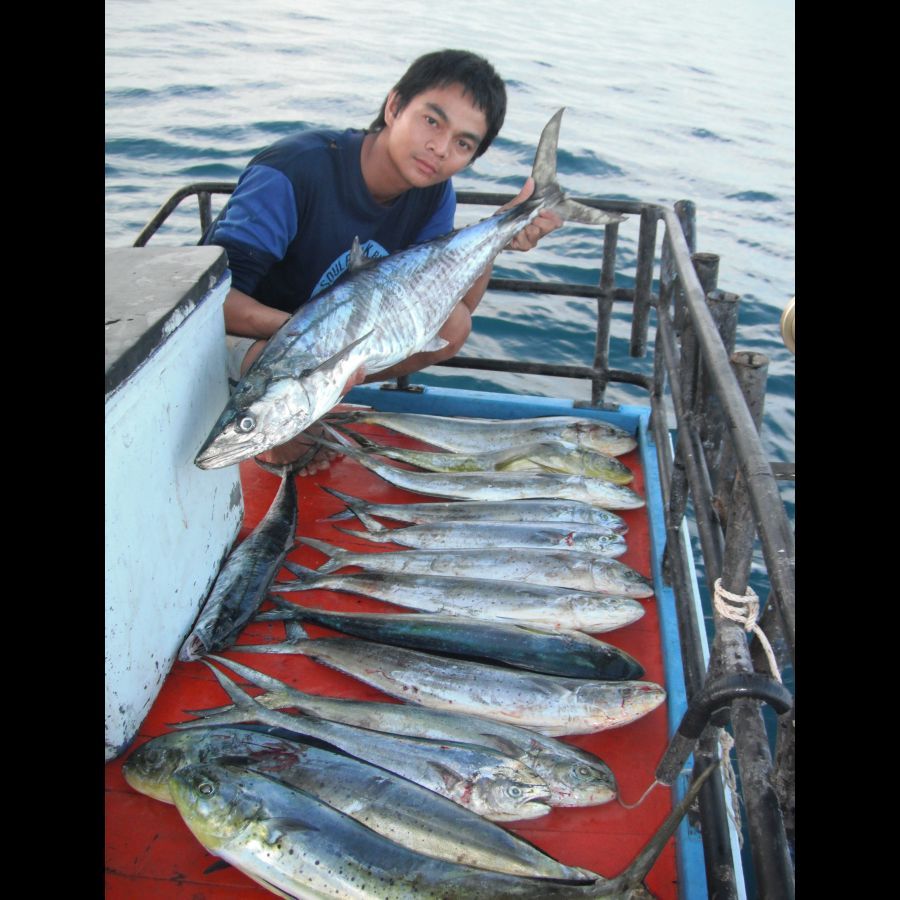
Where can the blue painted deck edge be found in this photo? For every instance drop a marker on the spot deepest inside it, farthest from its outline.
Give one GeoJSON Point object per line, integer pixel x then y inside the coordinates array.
{"type": "Point", "coordinates": [689, 843]}
{"type": "Point", "coordinates": [456, 402]}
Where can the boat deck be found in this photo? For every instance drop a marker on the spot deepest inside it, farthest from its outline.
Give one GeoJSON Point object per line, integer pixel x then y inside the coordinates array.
{"type": "Point", "coordinates": [151, 853]}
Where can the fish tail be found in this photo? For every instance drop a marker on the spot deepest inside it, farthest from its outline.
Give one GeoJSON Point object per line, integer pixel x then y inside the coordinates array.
{"type": "Point", "coordinates": [346, 498]}
{"type": "Point", "coordinates": [305, 577]}
{"type": "Point", "coordinates": [547, 189]}
{"type": "Point", "coordinates": [362, 535]}
{"type": "Point", "coordinates": [260, 679]}
{"type": "Point", "coordinates": [334, 554]}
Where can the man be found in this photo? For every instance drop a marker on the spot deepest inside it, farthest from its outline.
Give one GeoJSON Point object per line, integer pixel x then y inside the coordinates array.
{"type": "Point", "coordinates": [290, 222]}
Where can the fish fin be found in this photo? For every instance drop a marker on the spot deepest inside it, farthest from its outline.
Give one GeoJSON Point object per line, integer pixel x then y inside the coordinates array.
{"type": "Point", "coordinates": [217, 866]}
{"type": "Point", "coordinates": [346, 498]}
{"type": "Point", "coordinates": [334, 554]}
{"type": "Point", "coordinates": [547, 188]}
{"type": "Point", "coordinates": [357, 259]}
{"type": "Point", "coordinates": [450, 778]}
{"type": "Point", "coordinates": [294, 632]}
{"type": "Point", "coordinates": [340, 436]}
{"type": "Point", "coordinates": [260, 679]}
{"type": "Point", "coordinates": [284, 605]}
{"type": "Point", "coordinates": [508, 748]}
{"type": "Point", "coordinates": [333, 361]}
{"type": "Point", "coordinates": [637, 870]}
{"type": "Point", "coordinates": [282, 825]}
{"type": "Point", "coordinates": [302, 572]}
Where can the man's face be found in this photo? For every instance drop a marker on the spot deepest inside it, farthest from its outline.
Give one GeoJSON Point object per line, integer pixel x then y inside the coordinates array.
{"type": "Point", "coordinates": [435, 135]}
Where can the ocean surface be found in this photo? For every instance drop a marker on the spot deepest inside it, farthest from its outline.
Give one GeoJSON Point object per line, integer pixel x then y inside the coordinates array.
{"type": "Point", "coordinates": [665, 100]}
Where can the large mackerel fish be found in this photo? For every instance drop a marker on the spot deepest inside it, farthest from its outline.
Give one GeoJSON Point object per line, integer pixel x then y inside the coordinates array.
{"type": "Point", "coordinates": [246, 576]}
{"type": "Point", "coordinates": [379, 314]}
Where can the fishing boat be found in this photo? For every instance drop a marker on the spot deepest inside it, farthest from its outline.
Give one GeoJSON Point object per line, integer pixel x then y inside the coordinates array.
{"type": "Point", "coordinates": [712, 504]}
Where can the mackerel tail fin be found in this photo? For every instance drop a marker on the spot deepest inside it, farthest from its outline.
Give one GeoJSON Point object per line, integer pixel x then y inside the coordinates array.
{"type": "Point", "coordinates": [547, 189]}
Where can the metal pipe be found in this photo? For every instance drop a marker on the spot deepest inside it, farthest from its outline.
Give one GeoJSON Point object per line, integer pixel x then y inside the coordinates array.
{"type": "Point", "coordinates": [776, 535]}
{"type": "Point", "coordinates": [214, 187]}
{"type": "Point", "coordinates": [765, 823]}
{"type": "Point", "coordinates": [604, 313]}
{"type": "Point", "coordinates": [686, 215]}
{"type": "Point", "coordinates": [723, 307]}
{"type": "Point", "coordinates": [640, 316]}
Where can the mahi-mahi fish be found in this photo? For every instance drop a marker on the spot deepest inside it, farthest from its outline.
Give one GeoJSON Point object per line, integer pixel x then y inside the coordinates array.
{"type": "Point", "coordinates": [477, 598]}
{"type": "Point", "coordinates": [536, 456]}
{"type": "Point", "coordinates": [393, 806]}
{"type": "Point", "coordinates": [569, 653]}
{"type": "Point", "coordinates": [487, 781]}
{"type": "Point", "coordinates": [575, 512]}
{"type": "Point", "coordinates": [464, 434]}
{"type": "Point", "coordinates": [573, 776]}
{"type": "Point", "coordinates": [554, 568]}
{"type": "Point", "coordinates": [297, 846]}
{"type": "Point", "coordinates": [379, 314]}
{"type": "Point", "coordinates": [551, 704]}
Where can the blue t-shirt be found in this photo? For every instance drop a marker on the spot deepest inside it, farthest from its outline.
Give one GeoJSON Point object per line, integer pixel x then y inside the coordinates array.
{"type": "Point", "coordinates": [289, 225]}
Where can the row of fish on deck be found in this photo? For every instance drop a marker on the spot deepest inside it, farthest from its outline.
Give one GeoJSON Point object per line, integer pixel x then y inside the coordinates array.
{"type": "Point", "coordinates": [507, 579]}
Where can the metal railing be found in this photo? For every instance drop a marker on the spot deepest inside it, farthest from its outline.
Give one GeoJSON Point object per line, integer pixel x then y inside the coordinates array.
{"type": "Point", "coordinates": [718, 465]}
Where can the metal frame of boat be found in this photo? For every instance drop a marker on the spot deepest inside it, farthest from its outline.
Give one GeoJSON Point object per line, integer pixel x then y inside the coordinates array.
{"type": "Point", "coordinates": [712, 459]}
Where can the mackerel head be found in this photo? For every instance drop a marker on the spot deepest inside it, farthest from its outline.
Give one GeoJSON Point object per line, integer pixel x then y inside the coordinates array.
{"type": "Point", "coordinates": [379, 314]}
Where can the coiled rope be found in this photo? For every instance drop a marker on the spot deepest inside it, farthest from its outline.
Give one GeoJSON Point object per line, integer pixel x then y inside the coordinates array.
{"type": "Point", "coordinates": [745, 610]}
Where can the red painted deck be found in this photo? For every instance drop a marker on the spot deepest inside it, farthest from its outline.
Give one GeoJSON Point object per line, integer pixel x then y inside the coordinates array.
{"type": "Point", "coordinates": [151, 853]}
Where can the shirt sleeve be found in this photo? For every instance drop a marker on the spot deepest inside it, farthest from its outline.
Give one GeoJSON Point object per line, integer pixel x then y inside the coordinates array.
{"type": "Point", "coordinates": [442, 220]}
{"type": "Point", "coordinates": [258, 225]}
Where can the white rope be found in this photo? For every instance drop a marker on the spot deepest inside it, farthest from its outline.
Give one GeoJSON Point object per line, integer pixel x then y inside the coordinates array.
{"type": "Point", "coordinates": [726, 742]}
{"type": "Point", "coordinates": [745, 610]}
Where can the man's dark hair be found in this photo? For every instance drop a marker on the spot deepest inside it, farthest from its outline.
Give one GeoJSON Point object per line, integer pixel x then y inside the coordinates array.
{"type": "Point", "coordinates": [446, 67]}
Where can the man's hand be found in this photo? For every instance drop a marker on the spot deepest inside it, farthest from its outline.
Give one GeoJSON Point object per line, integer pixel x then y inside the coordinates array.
{"type": "Point", "coordinates": [545, 222]}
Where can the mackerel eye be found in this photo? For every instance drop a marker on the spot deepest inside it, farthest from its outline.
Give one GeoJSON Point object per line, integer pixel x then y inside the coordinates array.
{"type": "Point", "coordinates": [248, 423]}
{"type": "Point", "coordinates": [206, 788]}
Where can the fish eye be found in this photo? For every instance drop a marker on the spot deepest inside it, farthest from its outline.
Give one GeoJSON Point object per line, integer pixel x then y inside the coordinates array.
{"type": "Point", "coordinates": [515, 791]}
{"type": "Point", "coordinates": [206, 788]}
{"type": "Point", "coordinates": [583, 771]}
{"type": "Point", "coordinates": [248, 423]}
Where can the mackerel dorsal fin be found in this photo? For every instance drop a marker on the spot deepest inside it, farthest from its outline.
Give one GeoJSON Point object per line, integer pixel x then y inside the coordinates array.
{"type": "Point", "coordinates": [357, 259]}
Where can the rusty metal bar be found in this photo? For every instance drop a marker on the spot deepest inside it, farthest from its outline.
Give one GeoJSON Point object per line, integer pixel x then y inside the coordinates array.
{"type": "Point", "coordinates": [604, 313]}
{"type": "Point", "coordinates": [776, 535]}
{"type": "Point", "coordinates": [686, 213]}
{"type": "Point", "coordinates": [208, 187]}
{"type": "Point", "coordinates": [765, 823]}
{"type": "Point", "coordinates": [723, 307]}
{"type": "Point", "coordinates": [646, 254]}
